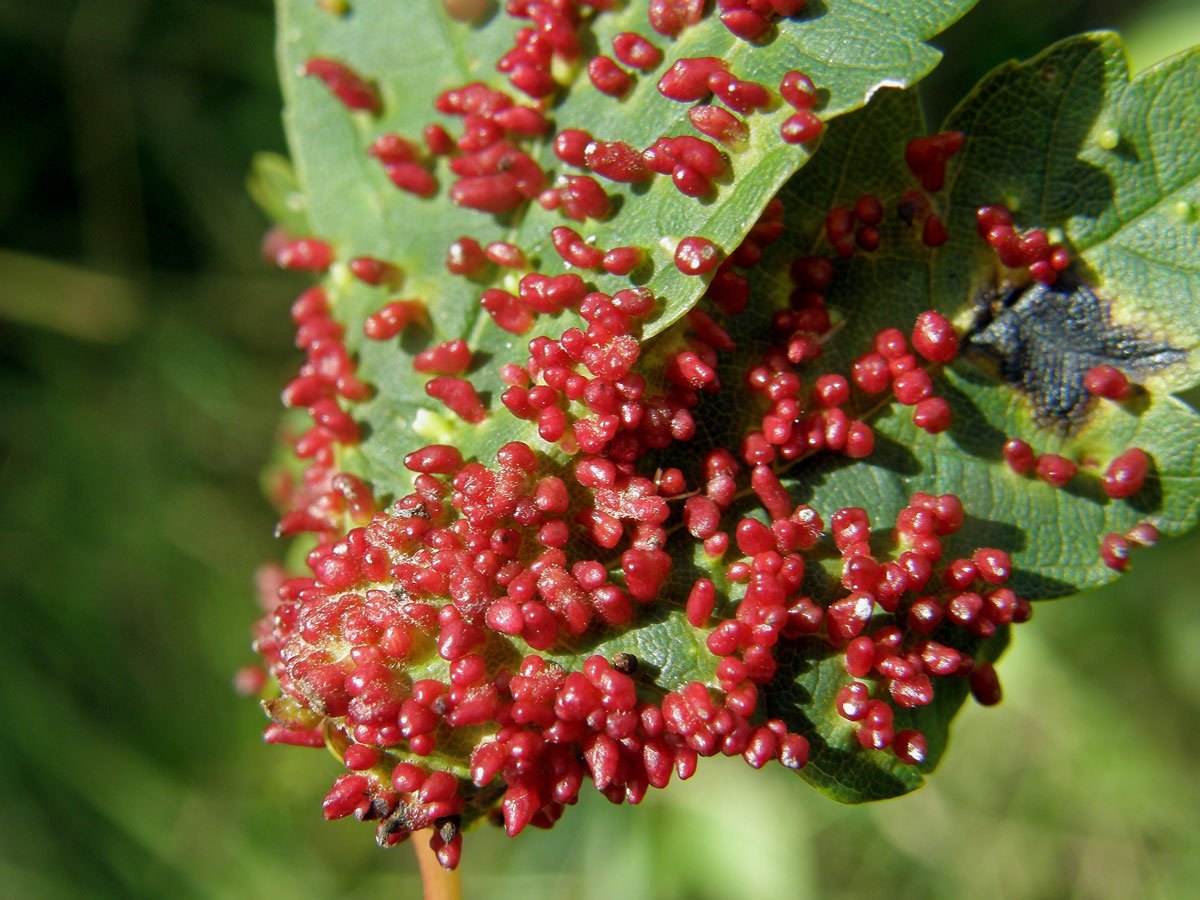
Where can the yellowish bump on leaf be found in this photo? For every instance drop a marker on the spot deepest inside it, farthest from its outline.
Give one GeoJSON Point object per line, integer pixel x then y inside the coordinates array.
{"type": "Point", "coordinates": [433, 427]}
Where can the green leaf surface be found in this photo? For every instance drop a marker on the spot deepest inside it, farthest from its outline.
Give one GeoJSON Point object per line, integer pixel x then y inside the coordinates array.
{"type": "Point", "coordinates": [1034, 142]}
{"type": "Point", "coordinates": [1019, 145]}
{"type": "Point", "coordinates": [412, 52]}
{"type": "Point", "coordinates": [272, 185]}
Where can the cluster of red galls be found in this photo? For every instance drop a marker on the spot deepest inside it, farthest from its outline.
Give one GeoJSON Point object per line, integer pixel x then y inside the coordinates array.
{"type": "Point", "coordinates": [1124, 476]}
{"type": "Point", "coordinates": [493, 175]}
{"type": "Point", "coordinates": [1030, 250]}
{"type": "Point", "coordinates": [442, 588]}
{"type": "Point", "coordinates": [325, 496]}
{"type": "Point", "coordinates": [905, 658]}
{"type": "Point", "coordinates": [408, 650]}
{"type": "Point", "coordinates": [450, 579]}
{"type": "Point", "coordinates": [849, 229]}
{"type": "Point", "coordinates": [405, 638]}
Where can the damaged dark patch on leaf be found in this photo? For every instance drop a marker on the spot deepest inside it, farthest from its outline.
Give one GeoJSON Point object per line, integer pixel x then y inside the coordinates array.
{"type": "Point", "coordinates": [1043, 340]}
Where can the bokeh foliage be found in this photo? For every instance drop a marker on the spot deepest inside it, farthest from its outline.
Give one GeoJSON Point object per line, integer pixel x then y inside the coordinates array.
{"type": "Point", "coordinates": [143, 349]}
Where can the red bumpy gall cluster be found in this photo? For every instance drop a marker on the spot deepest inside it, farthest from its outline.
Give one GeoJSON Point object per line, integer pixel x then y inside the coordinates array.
{"type": "Point", "coordinates": [430, 644]}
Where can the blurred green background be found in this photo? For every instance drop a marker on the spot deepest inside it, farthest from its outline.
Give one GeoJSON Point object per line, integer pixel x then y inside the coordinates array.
{"type": "Point", "coordinates": [142, 348]}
